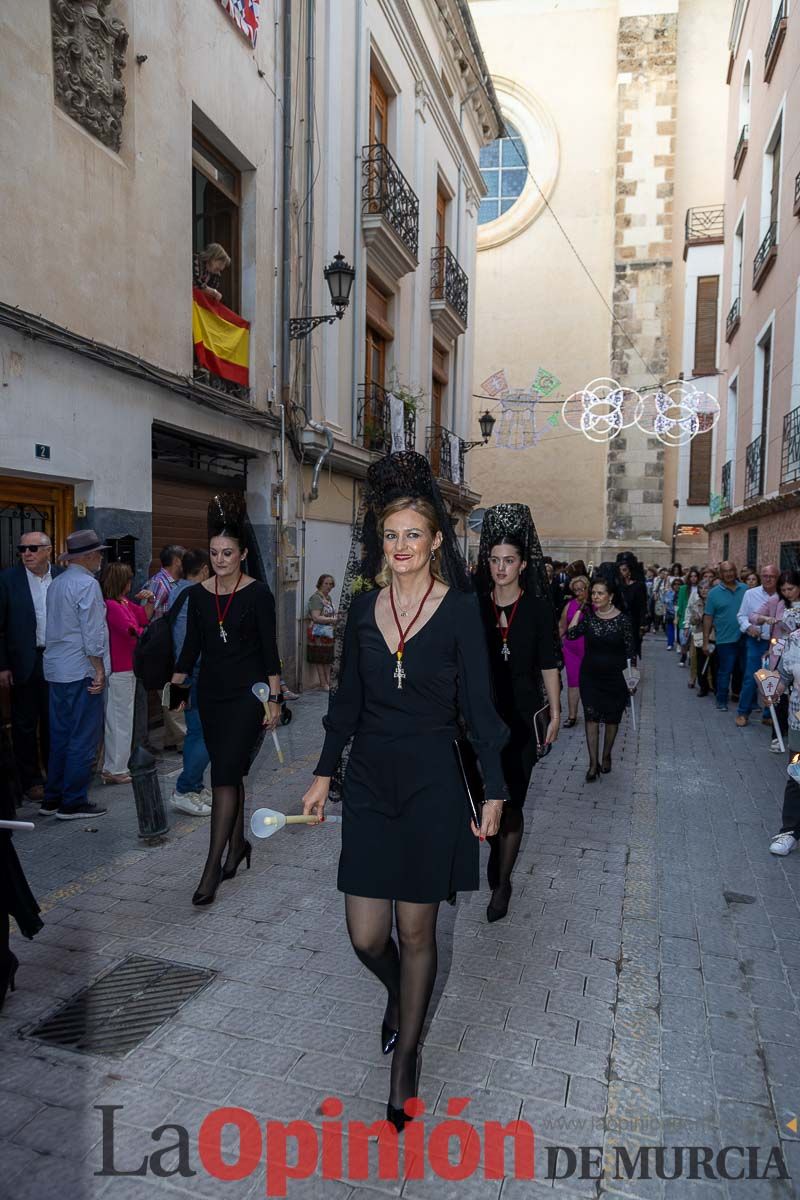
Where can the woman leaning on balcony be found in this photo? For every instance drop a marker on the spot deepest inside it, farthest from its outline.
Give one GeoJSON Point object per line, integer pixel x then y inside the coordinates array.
{"type": "Point", "coordinates": [207, 267]}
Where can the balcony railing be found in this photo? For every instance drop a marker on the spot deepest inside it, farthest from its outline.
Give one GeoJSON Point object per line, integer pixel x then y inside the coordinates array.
{"type": "Point", "coordinates": [449, 282]}
{"type": "Point", "coordinates": [754, 468]}
{"type": "Point", "coordinates": [767, 253]}
{"type": "Point", "coordinates": [796, 206]}
{"type": "Point", "coordinates": [775, 41]}
{"type": "Point", "coordinates": [374, 420]}
{"type": "Point", "coordinates": [705, 225]}
{"type": "Point", "coordinates": [790, 448]}
{"type": "Point", "coordinates": [439, 447]}
{"type": "Point", "coordinates": [726, 498]}
{"type": "Point", "coordinates": [385, 190]}
{"type": "Point", "coordinates": [741, 150]}
{"type": "Point", "coordinates": [733, 319]}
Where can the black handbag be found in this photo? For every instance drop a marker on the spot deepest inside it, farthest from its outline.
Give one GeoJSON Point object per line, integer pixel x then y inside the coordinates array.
{"type": "Point", "coordinates": [471, 776]}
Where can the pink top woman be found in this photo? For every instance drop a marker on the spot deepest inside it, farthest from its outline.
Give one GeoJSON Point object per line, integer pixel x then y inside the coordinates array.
{"type": "Point", "coordinates": [573, 650]}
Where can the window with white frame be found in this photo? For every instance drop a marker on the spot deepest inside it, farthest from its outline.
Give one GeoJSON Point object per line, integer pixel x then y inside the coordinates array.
{"type": "Point", "coordinates": [762, 382]}
{"type": "Point", "coordinates": [771, 181]}
{"type": "Point", "coordinates": [738, 260]}
{"type": "Point", "coordinates": [732, 420]}
{"type": "Point", "coordinates": [744, 96]}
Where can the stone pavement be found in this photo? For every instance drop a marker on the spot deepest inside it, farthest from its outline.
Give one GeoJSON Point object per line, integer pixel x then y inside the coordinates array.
{"type": "Point", "coordinates": [643, 990]}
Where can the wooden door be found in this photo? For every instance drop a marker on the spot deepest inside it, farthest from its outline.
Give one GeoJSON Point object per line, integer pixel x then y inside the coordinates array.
{"type": "Point", "coordinates": [28, 505]}
{"type": "Point", "coordinates": [378, 112]}
{"type": "Point", "coordinates": [180, 511]}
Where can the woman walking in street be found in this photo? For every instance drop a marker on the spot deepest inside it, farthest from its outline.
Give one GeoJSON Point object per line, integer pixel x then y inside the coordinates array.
{"type": "Point", "coordinates": [321, 621]}
{"type": "Point", "coordinates": [573, 648]}
{"type": "Point", "coordinates": [706, 676]}
{"type": "Point", "coordinates": [231, 622]}
{"type": "Point", "coordinates": [125, 622]}
{"type": "Point", "coordinates": [633, 593]}
{"type": "Point", "coordinates": [413, 661]}
{"type": "Point", "coordinates": [525, 662]}
{"type": "Point", "coordinates": [609, 647]}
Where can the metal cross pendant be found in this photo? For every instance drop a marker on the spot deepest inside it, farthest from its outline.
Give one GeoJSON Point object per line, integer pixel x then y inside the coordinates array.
{"type": "Point", "coordinates": [223, 634]}
{"type": "Point", "coordinates": [505, 651]}
{"type": "Point", "coordinates": [399, 674]}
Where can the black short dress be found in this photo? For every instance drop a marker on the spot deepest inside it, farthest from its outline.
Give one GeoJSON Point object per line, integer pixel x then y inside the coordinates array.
{"type": "Point", "coordinates": [517, 680]}
{"type": "Point", "coordinates": [230, 714]}
{"type": "Point", "coordinates": [608, 645]}
{"type": "Point", "coordinates": [406, 820]}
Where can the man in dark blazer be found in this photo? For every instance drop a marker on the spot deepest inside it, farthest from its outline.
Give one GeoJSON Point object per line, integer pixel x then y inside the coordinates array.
{"type": "Point", "coordinates": [23, 631]}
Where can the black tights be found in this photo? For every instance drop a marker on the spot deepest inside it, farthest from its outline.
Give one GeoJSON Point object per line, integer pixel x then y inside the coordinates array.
{"type": "Point", "coordinates": [593, 742]}
{"type": "Point", "coordinates": [227, 829]}
{"type": "Point", "coordinates": [408, 974]}
{"type": "Point", "coordinates": [504, 847]}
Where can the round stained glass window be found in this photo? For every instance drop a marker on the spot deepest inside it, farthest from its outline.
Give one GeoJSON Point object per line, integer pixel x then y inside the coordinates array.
{"type": "Point", "coordinates": [504, 166]}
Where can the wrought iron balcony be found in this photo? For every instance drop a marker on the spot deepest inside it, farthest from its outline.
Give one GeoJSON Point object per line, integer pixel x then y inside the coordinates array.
{"type": "Point", "coordinates": [741, 150]}
{"type": "Point", "coordinates": [790, 449]}
{"type": "Point", "coordinates": [225, 386]}
{"type": "Point", "coordinates": [767, 253]}
{"type": "Point", "coordinates": [389, 212]}
{"type": "Point", "coordinates": [726, 497]}
{"type": "Point", "coordinates": [775, 42]}
{"type": "Point", "coordinates": [374, 420]}
{"type": "Point", "coordinates": [754, 468]}
{"type": "Point", "coordinates": [705, 226]}
{"type": "Point", "coordinates": [449, 293]}
{"type": "Point", "coordinates": [733, 320]}
{"type": "Point", "coordinates": [440, 449]}
{"type": "Point", "coordinates": [796, 206]}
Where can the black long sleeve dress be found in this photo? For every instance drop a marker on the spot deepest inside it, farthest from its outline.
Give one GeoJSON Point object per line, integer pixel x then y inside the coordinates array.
{"type": "Point", "coordinates": [405, 832]}
{"type": "Point", "coordinates": [518, 688]}
{"type": "Point", "coordinates": [230, 714]}
{"type": "Point", "coordinates": [608, 646]}
{"type": "Point", "coordinates": [635, 596]}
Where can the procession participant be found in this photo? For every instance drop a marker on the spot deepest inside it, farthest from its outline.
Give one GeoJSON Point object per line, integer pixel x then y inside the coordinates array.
{"type": "Point", "coordinates": [525, 663]}
{"type": "Point", "coordinates": [572, 651]}
{"type": "Point", "coordinates": [411, 661]}
{"type": "Point", "coordinates": [231, 623]}
{"type": "Point", "coordinates": [610, 646]}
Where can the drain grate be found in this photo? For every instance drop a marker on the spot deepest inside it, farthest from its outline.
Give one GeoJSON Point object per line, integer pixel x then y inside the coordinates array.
{"type": "Point", "coordinates": [119, 1010]}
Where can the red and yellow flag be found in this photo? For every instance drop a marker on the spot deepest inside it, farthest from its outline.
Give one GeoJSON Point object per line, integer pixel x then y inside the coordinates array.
{"type": "Point", "coordinates": [221, 339]}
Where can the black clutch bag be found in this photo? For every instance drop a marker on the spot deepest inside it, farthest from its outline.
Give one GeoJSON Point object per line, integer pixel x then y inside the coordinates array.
{"type": "Point", "coordinates": [471, 776]}
{"type": "Point", "coordinates": [541, 723]}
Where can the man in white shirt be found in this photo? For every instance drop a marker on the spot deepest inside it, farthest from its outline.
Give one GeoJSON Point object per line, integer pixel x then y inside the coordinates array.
{"type": "Point", "coordinates": [23, 635]}
{"type": "Point", "coordinates": [755, 600]}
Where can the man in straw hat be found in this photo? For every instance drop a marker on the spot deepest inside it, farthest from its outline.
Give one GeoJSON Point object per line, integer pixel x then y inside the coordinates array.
{"type": "Point", "coordinates": [76, 665]}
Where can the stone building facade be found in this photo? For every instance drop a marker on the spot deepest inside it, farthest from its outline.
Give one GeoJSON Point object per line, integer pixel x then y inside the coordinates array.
{"type": "Point", "coordinates": [624, 100]}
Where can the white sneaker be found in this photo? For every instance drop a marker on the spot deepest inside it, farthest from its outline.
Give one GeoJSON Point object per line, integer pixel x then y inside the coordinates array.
{"type": "Point", "coordinates": [191, 803]}
{"type": "Point", "coordinates": [287, 695]}
{"type": "Point", "coordinates": [205, 795]}
{"type": "Point", "coordinates": [783, 843]}
{"type": "Point", "coordinates": [775, 746]}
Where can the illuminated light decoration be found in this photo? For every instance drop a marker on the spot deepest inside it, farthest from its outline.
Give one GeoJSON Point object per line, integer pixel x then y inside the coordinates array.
{"type": "Point", "coordinates": [673, 413]}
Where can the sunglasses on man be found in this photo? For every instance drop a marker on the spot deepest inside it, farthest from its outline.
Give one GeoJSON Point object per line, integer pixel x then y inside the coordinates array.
{"type": "Point", "coordinates": [31, 549]}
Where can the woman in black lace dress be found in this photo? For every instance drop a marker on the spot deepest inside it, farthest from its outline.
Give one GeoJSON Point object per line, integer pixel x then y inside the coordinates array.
{"type": "Point", "coordinates": [609, 646]}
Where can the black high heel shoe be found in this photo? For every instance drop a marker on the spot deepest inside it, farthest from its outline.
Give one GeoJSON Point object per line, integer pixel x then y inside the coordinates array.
{"type": "Point", "coordinates": [606, 766]}
{"type": "Point", "coordinates": [398, 1116]}
{"type": "Point", "coordinates": [388, 1037]}
{"type": "Point", "coordinates": [201, 898]}
{"type": "Point", "coordinates": [8, 973]}
{"type": "Point", "coordinates": [593, 774]}
{"type": "Point", "coordinates": [570, 722]}
{"type": "Point", "coordinates": [495, 911]}
{"type": "Point", "coordinates": [229, 872]}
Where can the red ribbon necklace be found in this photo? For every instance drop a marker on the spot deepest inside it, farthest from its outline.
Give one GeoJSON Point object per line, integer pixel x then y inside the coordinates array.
{"type": "Point", "coordinates": [505, 630]}
{"type": "Point", "coordinates": [223, 612]}
{"type": "Point", "coordinates": [399, 673]}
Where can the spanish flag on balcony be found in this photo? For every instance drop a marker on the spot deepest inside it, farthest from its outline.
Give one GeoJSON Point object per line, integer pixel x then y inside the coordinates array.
{"type": "Point", "coordinates": [221, 339]}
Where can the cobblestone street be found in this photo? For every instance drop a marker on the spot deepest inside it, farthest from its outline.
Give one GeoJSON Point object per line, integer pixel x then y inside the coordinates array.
{"type": "Point", "coordinates": [643, 990]}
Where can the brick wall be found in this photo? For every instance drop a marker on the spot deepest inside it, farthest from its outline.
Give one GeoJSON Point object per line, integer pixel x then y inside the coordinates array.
{"type": "Point", "coordinates": [772, 532]}
{"type": "Point", "coordinates": [647, 88]}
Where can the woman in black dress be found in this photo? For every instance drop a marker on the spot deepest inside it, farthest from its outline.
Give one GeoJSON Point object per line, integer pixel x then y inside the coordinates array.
{"type": "Point", "coordinates": [231, 624]}
{"type": "Point", "coordinates": [16, 898]}
{"type": "Point", "coordinates": [633, 591]}
{"type": "Point", "coordinates": [413, 662]}
{"type": "Point", "coordinates": [522, 637]}
{"type": "Point", "coordinates": [609, 647]}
